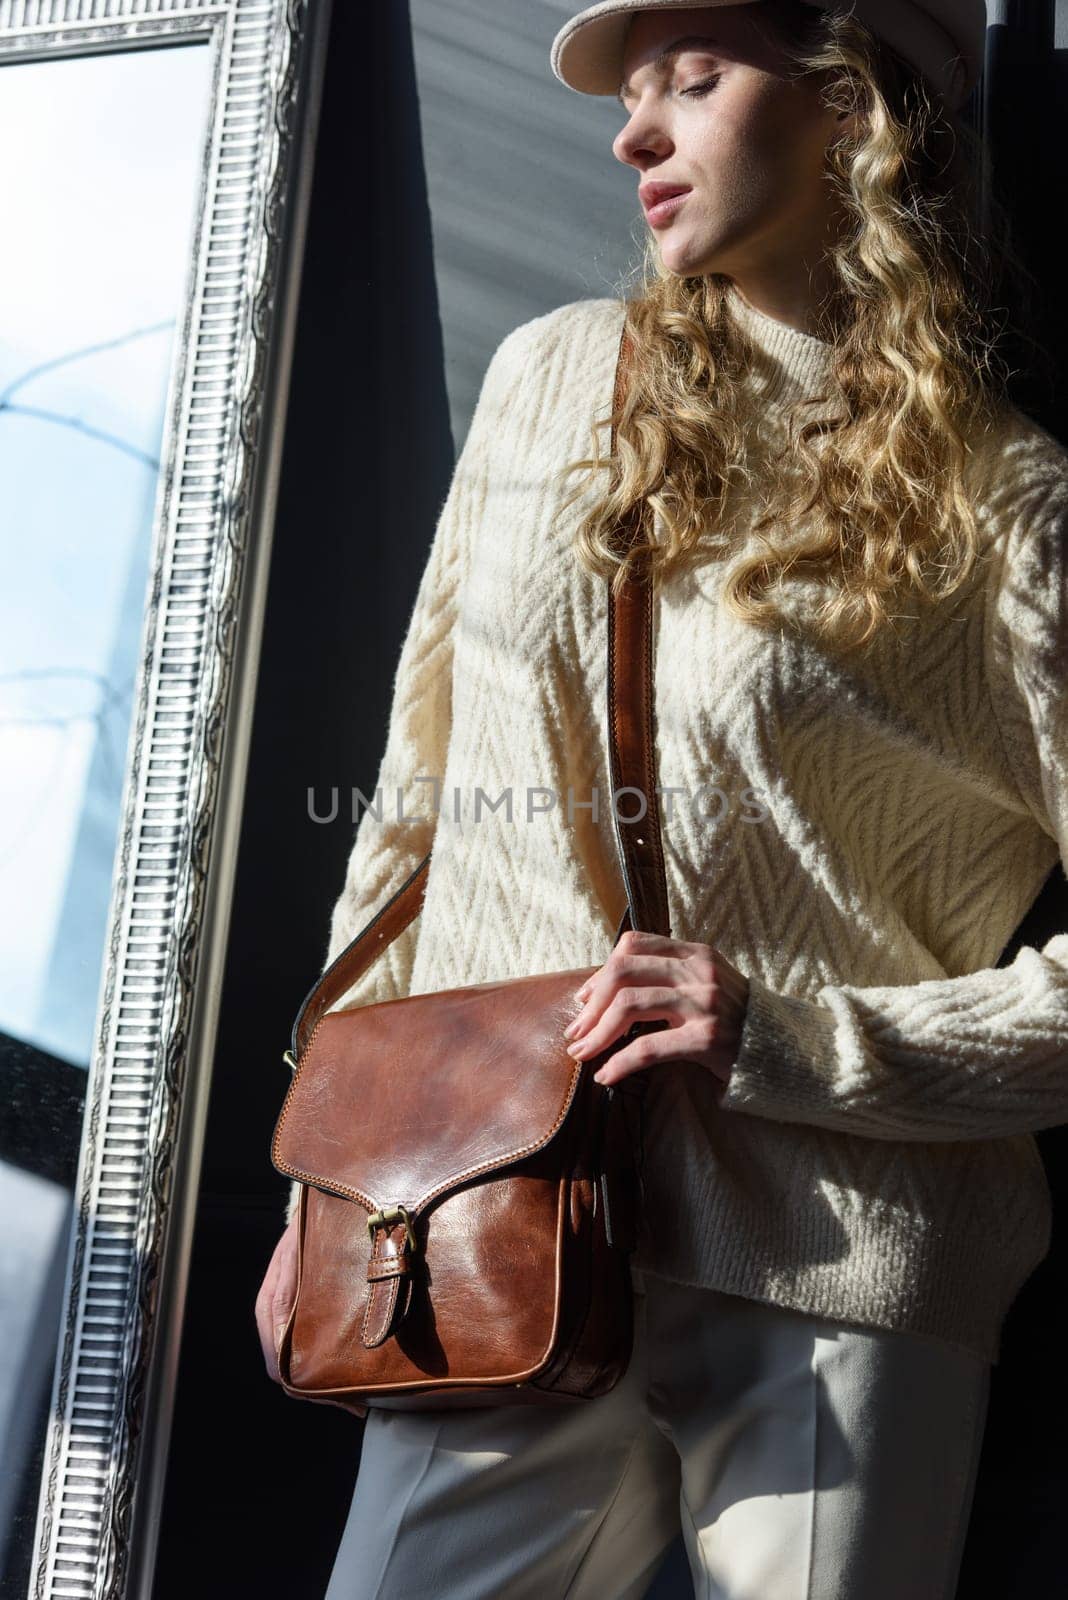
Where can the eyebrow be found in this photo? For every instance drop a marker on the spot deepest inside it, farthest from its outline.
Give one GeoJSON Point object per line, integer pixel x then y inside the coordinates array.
{"type": "Point", "coordinates": [692, 41]}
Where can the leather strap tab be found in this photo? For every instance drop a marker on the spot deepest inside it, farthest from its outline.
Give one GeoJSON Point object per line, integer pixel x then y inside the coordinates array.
{"type": "Point", "coordinates": [389, 1275]}
{"type": "Point", "coordinates": [386, 1269]}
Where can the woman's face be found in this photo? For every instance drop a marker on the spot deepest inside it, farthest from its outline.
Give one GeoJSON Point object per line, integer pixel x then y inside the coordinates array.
{"type": "Point", "coordinates": [719, 119]}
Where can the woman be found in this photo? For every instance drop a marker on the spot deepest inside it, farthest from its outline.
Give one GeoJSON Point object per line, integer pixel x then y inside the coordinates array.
{"type": "Point", "coordinates": [862, 630]}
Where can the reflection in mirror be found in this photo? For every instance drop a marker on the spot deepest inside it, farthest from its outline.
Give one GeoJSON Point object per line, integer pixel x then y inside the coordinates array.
{"type": "Point", "coordinates": [102, 201]}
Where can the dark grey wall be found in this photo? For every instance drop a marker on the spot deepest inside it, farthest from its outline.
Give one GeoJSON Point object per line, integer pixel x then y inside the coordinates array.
{"type": "Point", "coordinates": [529, 208]}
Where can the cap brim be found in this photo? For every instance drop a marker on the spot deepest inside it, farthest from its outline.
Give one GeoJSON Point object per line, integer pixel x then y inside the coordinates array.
{"type": "Point", "coordinates": [587, 53]}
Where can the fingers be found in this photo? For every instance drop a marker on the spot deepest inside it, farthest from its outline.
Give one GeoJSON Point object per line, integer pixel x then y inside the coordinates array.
{"type": "Point", "coordinates": [631, 970]}
{"type": "Point", "coordinates": [265, 1329]}
{"type": "Point", "coordinates": [285, 1291]}
{"type": "Point", "coordinates": [687, 1042]}
{"type": "Point", "coordinates": [274, 1304]}
{"type": "Point", "coordinates": [646, 1003]}
{"type": "Point", "coordinates": [641, 968]}
{"type": "Point", "coordinates": [274, 1301]}
{"type": "Point", "coordinates": [645, 957]}
{"type": "Point", "coordinates": [264, 1313]}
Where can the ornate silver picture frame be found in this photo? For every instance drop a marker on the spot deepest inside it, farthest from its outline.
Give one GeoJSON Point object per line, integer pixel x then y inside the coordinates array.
{"type": "Point", "coordinates": [124, 1247]}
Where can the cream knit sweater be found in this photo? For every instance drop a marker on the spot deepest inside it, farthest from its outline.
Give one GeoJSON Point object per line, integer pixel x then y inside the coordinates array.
{"type": "Point", "coordinates": [879, 830]}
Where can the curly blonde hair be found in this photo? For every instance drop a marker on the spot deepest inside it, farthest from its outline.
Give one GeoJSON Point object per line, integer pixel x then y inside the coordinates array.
{"type": "Point", "coordinates": [877, 494]}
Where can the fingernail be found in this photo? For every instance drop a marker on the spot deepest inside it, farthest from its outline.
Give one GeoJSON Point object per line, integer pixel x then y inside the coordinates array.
{"type": "Point", "coordinates": [576, 1049]}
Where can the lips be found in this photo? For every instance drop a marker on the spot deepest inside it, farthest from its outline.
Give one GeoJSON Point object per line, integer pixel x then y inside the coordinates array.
{"type": "Point", "coordinates": [651, 194]}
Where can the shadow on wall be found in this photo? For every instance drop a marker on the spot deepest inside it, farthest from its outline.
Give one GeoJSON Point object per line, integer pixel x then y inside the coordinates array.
{"type": "Point", "coordinates": [530, 209]}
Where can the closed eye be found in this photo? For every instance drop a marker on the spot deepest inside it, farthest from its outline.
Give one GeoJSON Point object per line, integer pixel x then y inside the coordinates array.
{"type": "Point", "coordinates": [699, 89]}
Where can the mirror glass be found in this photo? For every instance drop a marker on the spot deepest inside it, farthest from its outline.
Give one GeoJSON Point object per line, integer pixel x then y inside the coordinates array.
{"type": "Point", "coordinates": [101, 200]}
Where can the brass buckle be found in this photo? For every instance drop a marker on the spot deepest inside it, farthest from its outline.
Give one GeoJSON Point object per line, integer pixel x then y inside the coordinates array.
{"type": "Point", "coordinates": [290, 1060]}
{"type": "Point", "coordinates": [387, 1216]}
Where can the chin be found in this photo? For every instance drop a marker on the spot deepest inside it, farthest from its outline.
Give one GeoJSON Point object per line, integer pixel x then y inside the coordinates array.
{"type": "Point", "coordinates": [687, 260]}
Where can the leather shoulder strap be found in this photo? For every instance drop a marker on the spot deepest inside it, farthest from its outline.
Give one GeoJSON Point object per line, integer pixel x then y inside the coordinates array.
{"type": "Point", "coordinates": [632, 766]}
{"type": "Point", "coordinates": [632, 725]}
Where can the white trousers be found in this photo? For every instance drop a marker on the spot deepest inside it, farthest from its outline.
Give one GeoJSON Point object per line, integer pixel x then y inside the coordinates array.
{"type": "Point", "coordinates": [804, 1460]}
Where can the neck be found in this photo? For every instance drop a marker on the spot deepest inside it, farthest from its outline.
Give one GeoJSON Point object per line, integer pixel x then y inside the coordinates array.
{"type": "Point", "coordinates": [801, 314]}
{"type": "Point", "coordinates": [788, 363]}
{"type": "Point", "coordinates": [794, 279]}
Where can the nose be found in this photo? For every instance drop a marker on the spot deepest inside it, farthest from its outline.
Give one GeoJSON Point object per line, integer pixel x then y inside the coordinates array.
{"type": "Point", "coordinates": [641, 142]}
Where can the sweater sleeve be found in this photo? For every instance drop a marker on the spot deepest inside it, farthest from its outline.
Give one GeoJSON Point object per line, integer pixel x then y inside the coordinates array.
{"type": "Point", "coordinates": [391, 839]}
{"type": "Point", "coordinates": [985, 1054]}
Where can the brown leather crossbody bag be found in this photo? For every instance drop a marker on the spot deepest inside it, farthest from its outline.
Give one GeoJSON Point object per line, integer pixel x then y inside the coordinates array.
{"type": "Point", "coordinates": [469, 1195]}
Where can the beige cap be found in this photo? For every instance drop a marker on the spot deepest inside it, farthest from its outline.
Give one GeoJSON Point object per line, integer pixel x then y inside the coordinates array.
{"type": "Point", "coordinates": [943, 39]}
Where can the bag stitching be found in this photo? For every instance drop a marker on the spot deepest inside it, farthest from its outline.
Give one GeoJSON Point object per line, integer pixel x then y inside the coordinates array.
{"type": "Point", "coordinates": [449, 1183]}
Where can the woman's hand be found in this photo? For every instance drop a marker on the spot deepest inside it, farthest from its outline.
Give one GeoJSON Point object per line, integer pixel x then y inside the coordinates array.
{"type": "Point", "coordinates": [648, 977]}
{"type": "Point", "coordinates": [275, 1299]}
{"type": "Point", "coordinates": [274, 1303]}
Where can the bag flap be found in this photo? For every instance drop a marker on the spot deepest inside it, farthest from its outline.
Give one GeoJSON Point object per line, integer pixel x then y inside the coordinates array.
{"type": "Point", "coordinates": [398, 1101]}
